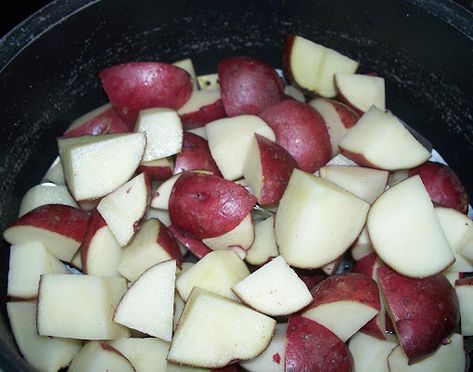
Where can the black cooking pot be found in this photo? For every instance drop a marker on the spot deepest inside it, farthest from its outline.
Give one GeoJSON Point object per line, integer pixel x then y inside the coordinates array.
{"type": "Point", "coordinates": [49, 67]}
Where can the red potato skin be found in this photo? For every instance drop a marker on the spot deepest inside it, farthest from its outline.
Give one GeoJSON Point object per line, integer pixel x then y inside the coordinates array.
{"type": "Point", "coordinates": [357, 158]}
{"type": "Point", "coordinates": [301, 130]}
{"type": "Point", "coordinates": [286, 62]}
{"type": "Point", "coordinates": [195, 155]}
{"type": "Point", "coordinates": [95, 126]}
{"type": "Point", "coordinates": [346, 114]}
{"type": "Point", "coordinates": [277, 166]}
{"type": "Point", "coordinates": [367, 266]}
{"type": "Point", "coordinates": [346, 287]}
{"type": "Point", "coordinates": [443, 185]}
{"type": "Point", "coordinates": [96, 222]}
{"type": "Point", "coordinates": [464, 281]}
{"type": "Point", "coordinates": [423, 311]}
{"type": "Point", "coordinates": [248, 86]}
{"type": "Point", "coordinates": [167, 240]}
{"type": "Point", "coordinates": [61, 219]}
{"type": "Point", "coordinates": [155, 173]}
{"type": "Point", "coordinates": [204, 115]}
{"type": "Point", "coordinates": [196, 247]}
{"type": "Point", "coordinates": [206, 206]}
{"type": "Point", "coordinates": [310, 277]}
{"type": "Point", "coordinates": [313, 348]}
{"type": "Point", "coordinates": [135, 86]}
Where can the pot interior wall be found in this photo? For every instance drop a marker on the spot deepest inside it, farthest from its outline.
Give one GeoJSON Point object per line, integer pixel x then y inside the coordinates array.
{"type": "Point", "coordinates": [427, 63]}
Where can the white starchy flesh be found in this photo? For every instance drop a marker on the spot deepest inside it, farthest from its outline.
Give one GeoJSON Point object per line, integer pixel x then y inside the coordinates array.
{"type": "Point", "coordinates": [264, 245]}
{"type": "Point", "coordinates": [397, 176]}
{"type": "Point", "coordinates": [332, 63]}
{"type": "Point", "coordinates": [104, 254]}
{"type": "Point", "coordinates": [45, 194]}
{"type": "Point", "coordinates": [406, 233]}
{"type": "Point", "coordinates": [341, 160]}
{"type": "Point", "coordinates": [239, 239]}
{"type": "Point", "coordinates": [295, 93]}
{"type": "Point", "coordinates": [94, 166]}
{"type": "Point", "coordinates": [159, 214]}
{"type": "Point", "coordinates": [382, 140]}
{"type": "Point", "coordinates": [366, 183]}
{"type": "Point", "coordinates": [88, 116]}
{"type": "Point", "coordinates": [160, 198]}
{"type": "Point", "coordinates": [466, 246]}
{"type": "Point", "coordinates": [187, 65]}
{"type": "Point", "coordinates": [344, 318]}
{"type": "Point", "coordinates": [148, 305]}
{"type": "Point", "coordinates": [274, 289]}
{"type": "Point", "coordinates": [456, 226]}
{"type": "Point", "coordinates": [163, 162]}
{"type": "Point", "coordinates": [273, 358]}
{"type": "Point", "coordinates": [305, 60]}
{"type": "Point", "coordinates": [361, 91]}
{"type": "Point", "coordinates": [450, 357]}
{"type": "Point", "coordinates": [43, 353]}
{"type": "Point", "coordinates": [199, 132]}
{"type": "Point", "coordinates": [465, 298]}
{"type": "Point", "coordinates": [216, 272]}
{"type": "Point", "coordinates": [62, 247]}
{"type": "Point", "coordinates": [370, 353]}
{"type": "Point", "coordinates": [232, 332]}
{"type": "Point", "coordinates": [27, 262]}
{"type": "Point", "coordinates": [230, 139]}
{"type": "Point", "coordinates": [98, 356]}
{"type": "Point", "coordinates": [198, 99]}
{"type": "Point", "coordinates": [178, 309]}
{"type": "Point", "coordinates": [335, 126]}
{"type": "Point", "coordinates": [311, 213]}
{"type": "Point", "coordinates": [143, 251]}
{"type": "Point", "coordinates": [208, 82]}
{"type": "Point", "coordinates": [253, 169]}
{"type": "Point", "coordinates": [55, 173]}
{"type": "Point", "coordinates": [163, 130]}
{"type": "Point", "coordinates": [145, 354]}
{"type": "Point", "coordinates": [125, 207]}
{"type": "Point", "coordinates": [362, 247]}
{"type": "Point", "coordinates": [452, 276]}
{"type": "Point", "coordinates": [64, 306]}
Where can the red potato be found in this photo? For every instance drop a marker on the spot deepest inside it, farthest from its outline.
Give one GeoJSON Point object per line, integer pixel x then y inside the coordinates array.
{"type": "Point", "coordinates": [207, 206]}
{"type": "Point", "coordinates": [196, 247]}
{"type": "Point", "coordinates": [464, 291]}
{"type": "Point", "coordinates": [301, 130]}
{"type": "Point", "coordinates": [100, 251]}
{"type": "Point", "coordinates": [157, 170]}
{"type": "Point", "coordinates": [312, 347]}
{"type": "Point", "coordinates": [310, 277]}
{"type": "Point", "coordinates": [195, 155]}
{"type": "Point", "coordinates": [102, 120]}
{"type": "Point", "coordinates": [423, 311]}
{"type": "Point", "coordinates": [368, 266]}
{"type": "Point", "coordinates": [60, 228]}
{"type": "Point", "coordinates": [344, 303]}
{"type": "Point", "coordinates": [443, 185]}
{"type": "Point", "coordinates": [202, 107]}
{"type": "Point", "coordinates": [135, 86]}
{"type": "Point", "coordinates": [267, 169]}
{"type": "Point", "coordinates": [248, 85]}
{"type": "Point", "coordinates": [338, 117]}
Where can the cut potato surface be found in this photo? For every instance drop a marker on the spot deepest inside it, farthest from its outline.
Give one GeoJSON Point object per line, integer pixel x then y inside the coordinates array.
{"type": "Point", "coordinates": [232, 332]}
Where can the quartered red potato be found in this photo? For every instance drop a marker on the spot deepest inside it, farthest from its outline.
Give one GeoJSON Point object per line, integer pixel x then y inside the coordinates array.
{"type": "Point", "coordinates": [187, 228]}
